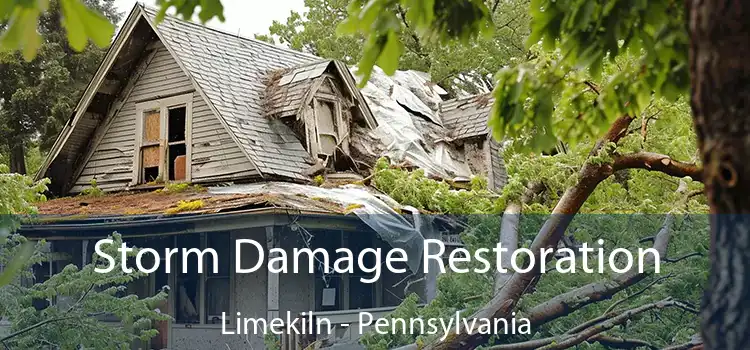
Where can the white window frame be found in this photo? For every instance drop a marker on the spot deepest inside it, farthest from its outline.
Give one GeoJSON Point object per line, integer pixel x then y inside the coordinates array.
{"type": "Point", "coordinates": [163, 105]}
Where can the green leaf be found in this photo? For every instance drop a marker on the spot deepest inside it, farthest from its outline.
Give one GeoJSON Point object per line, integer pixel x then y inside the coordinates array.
{"type": "Point", "coordinates": [83, 24]}
{"type": "Point", "coordinates": [392, 49]}
{"type": "Point", "coordinates": [21, 33]}
{"type": "Point", "coordinates": [17, 263]}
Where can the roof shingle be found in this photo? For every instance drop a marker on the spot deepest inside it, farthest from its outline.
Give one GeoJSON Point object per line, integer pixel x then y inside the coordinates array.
{"type": "Point", "coordinates": [232, 72]}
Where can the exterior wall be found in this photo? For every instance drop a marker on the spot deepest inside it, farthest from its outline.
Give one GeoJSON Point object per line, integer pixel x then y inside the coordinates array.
{"type": "Point", "coordinates": [215, 155]}
{"type": "Point", "coordinates": [498, 177]}
{"type": "Point", "coordinates": [484, 157]}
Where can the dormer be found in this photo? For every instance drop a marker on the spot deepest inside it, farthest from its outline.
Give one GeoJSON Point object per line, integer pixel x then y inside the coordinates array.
{"type": "Point", "coordinates": [321, 103]}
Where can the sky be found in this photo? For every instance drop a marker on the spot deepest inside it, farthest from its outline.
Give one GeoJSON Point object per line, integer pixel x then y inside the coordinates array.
{"type": "Point", "coordinates": [244, 17]}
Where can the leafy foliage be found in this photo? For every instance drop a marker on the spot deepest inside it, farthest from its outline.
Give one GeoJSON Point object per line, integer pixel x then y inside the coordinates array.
{"type": "Point", "coordinates": [38, 95]}
{"type": "Point", "coordinates": [415, 189]}
{"type": "Point", "coordinates": [459, 68]}
{"type": "Point", "coordinates": [66, 309]}
{"type": "Point", "coordinates": [186, 9]}
{"type": "Point", "coordinates": [93, 190]}
{"type": "Point", "coordinates": [22, 17]}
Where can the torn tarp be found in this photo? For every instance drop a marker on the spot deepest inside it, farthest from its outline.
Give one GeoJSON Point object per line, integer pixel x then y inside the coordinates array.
{"type": "Point", "coordinates": [375, 210]}
{"type": "Point", "coordinates": [409, 126]}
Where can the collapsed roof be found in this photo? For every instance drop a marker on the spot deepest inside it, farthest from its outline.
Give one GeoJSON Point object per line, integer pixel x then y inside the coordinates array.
{"type": "Point", "coordinates": [249, 85]}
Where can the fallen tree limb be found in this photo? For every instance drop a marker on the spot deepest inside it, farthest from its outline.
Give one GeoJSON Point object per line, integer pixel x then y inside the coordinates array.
{"type": "Point", "coordinates": [622, 343]}
{"type": "Point", "coordinates": [657, 162]}
{"type": "Point", "coordinates": [592, 332]}
{"type": "Point", "coordinates": [508, 239]}
{"type": "Point", "coordinates": [566, 303]}
{"type": "Point", "coordinates": [695, 343]}
{"type": "Point", "coordinates": [502, 304]}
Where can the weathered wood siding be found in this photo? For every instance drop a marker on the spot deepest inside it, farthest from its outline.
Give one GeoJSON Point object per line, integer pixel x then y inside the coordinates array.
{"type": "Point", "coordinates": [215, 156]}
{"type": "Point", "coordinates": [498, 175]}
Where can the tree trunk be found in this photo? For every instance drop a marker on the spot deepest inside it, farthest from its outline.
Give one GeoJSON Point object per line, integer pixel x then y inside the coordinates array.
{"type": "Point", "coordinates": [17, 158]}
{"type": "Point", "coordinates": [720, 99]}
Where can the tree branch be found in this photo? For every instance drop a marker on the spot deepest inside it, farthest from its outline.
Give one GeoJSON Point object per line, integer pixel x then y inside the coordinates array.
{"type": "Point", "coordinates": [621, 343]}
{"type": "Point", "coordinates": [621, 318]}
{"type": "Point", "coordinates": [566, 303]}
{"type": "Point", "coordinates": [657, 162]}
{"type": "Point", "coordinates": [508, 239]}
{"type": "Point", "coordinates": [501, 305]}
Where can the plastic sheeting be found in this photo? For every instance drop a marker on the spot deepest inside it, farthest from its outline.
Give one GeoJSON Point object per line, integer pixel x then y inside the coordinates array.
{"type": "Point", "coordinates": [375, 210]}
{"type": "Point", "coordinates": [394, 101]}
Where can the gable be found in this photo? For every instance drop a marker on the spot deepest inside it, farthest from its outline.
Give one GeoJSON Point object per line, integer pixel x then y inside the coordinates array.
{"type": "Point", "coordinates": [215, 156]}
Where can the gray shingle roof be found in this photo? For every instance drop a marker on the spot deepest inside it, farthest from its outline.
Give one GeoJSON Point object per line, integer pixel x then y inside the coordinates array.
{"type": "Point", "coordinates": [466, 117]}
{"type": "Point", "coordinates": [232, 72]}
{"type": "Point", "coordinates": [288, 89]}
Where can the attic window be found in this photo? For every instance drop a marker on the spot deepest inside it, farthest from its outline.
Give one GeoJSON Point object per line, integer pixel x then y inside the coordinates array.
{"type": "Point", "coordinates": [327, 135]}
{"type": "Point", "coordinates": [326, 129]}
{"type": "Point", "coordinates": [162, 145]}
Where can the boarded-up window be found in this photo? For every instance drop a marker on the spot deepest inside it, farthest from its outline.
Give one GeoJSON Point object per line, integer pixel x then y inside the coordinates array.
{"type": "Point", "coordinates": [163, 146]}
{"type": "Point", "coordinates": [326, 122]}
{"type": "Point", "coordinates": [150, 147]}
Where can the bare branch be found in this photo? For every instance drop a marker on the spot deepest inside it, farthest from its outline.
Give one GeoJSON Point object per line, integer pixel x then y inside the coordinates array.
{"type": "Point", "coordinates": [621, 343]}
{"type": "Point", "coordinates": [657, 162]}
{"type": "Point", "coordinates": [621, 318]}
{"type": "Point", "coordinates": [508, 239]}
{"type": "Point", "coordinates": [674, 260]}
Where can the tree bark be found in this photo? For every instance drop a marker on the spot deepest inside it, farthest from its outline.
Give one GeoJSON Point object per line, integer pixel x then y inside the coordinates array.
{"type": "Point", "coordinates": [720, 99]}
{"type": "Point", "coordinates": [17, 158]}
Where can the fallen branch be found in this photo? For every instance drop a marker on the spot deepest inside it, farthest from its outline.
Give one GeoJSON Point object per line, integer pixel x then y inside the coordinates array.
{"type": "Point", "coordinates": [657, 162]}
{"type": "Point", "coordinates": [566, 303]}
{"type": "Point", "coordinates": [590, 333]}
{"type": "Point", "coordinates": [695, 343]}
{"type": "Point", "coordinates": [621, 343]}
{"type": "Point", "coordinates": [674, 260]}
{"type": "Point", "coordinates": [502, 304]}
{"type": "Point", "coordinates": [508, 239]}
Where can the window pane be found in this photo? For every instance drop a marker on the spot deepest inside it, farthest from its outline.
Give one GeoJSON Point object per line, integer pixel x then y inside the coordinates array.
{"type": "Point", "coordinates": [176, 124]}
{"type": "Point", "coordinates": [217, 284]}
{"type": "Point", "coordinates": [188, 284]}
{"type": "Point", "coordinates": [326, 127]}
{"type": "Point", "coordinates": [219, 241]}
{"type": "Point", "coordinates": [326, 124]}
{"type": "Point", "coordinates": [217, 298]}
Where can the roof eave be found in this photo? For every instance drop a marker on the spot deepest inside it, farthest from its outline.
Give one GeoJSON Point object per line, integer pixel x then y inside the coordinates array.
{"type": "Point", "coordinates": [94, 84]}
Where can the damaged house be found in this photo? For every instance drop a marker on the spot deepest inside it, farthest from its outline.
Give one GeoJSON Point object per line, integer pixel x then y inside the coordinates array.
{"type": "Point", "coordinates": [257, 126]}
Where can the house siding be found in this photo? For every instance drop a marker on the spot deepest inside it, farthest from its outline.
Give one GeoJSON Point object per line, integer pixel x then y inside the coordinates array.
{"type": "Point", "coordinates": [497, 166]}
{"type": "Point", "coordinates": [215, 155]}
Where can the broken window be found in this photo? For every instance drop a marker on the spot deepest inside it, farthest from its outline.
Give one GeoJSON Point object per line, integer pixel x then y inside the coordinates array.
{"type": "Point", "coordinates": [326, 123]}
{"type": "Point", "coordinates": [176, 138]}
{"type": "Point", "coordinates": [163, 148]}
{"type": "Point", "coordinates": [151, 146]}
